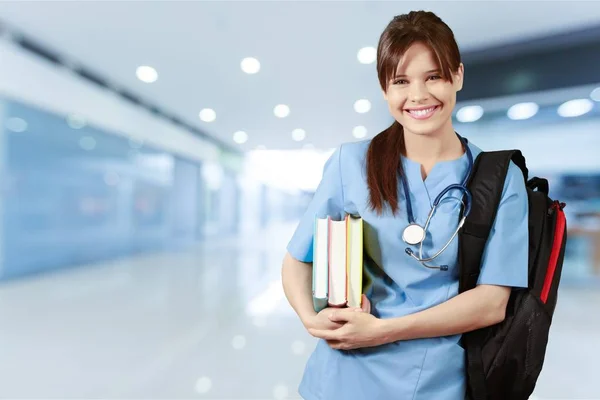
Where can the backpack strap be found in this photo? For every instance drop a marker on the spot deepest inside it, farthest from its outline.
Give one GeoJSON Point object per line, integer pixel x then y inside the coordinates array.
{"type": "Point", "coordinates": [486, 184]}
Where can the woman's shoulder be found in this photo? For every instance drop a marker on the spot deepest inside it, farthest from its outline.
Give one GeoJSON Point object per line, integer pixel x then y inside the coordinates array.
{"type": "Point", "coordinates": [354, 151]}
{"type": "Point", "coordinates": [475, 150]}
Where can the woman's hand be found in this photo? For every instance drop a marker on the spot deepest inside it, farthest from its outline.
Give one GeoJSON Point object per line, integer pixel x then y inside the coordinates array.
{"type": "Point", "coordinates": [359, 328]}
{"type": "Point", "coordinates": [365, 304]}
{"type": "Point", "coordinates": [322, 321]}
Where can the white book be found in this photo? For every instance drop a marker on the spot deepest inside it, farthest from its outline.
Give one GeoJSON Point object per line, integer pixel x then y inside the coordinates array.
{"type": "Point", "coordinates": [320, 272]}
{"type": "Point", "coordinates": [337, 263]}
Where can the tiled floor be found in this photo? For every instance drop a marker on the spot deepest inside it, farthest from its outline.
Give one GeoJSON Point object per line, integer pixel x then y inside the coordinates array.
{"type": "Point", "coordinates": [206, 323]}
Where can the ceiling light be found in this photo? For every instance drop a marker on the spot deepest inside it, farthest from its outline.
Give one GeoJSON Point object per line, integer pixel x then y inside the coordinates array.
{"type": "Point", "coordinates": [76, 121]}
{"type": "Point", "coordinates": [595, 95]}
{"type": "Point", "coordinates": [207, 115]}
{"type": "Point", "coordinates": [240, 137]}
{"type": "Point", "coordinates": [469, 113]}
{"type": "Point", "coordinates": [281, 111]}
{"type": "Point", "coordinates": [522, 111]}
{"type": "Point", "coordinates": [359, 132]}
{"type": "Point", "coordinates": [203, 385]}
{"type": "Point", "coordinates": [250, 65]}
{"type": "Point", "coordinates": [146, 74]}
{"type": "Point", "coordinates": [575, 108]}
{"type": "Point", "coordinates": [15, 124]}
{"type": "Point", "coordinates": [362, 106]}
{"type": "Point", "coordinates": [298, 135]}
{"type": "Point", "coordinates": [367, 55]}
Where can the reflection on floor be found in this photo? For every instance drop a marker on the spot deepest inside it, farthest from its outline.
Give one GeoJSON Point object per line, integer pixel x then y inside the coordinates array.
{"type": "Point", "coordinates": [210, 322]}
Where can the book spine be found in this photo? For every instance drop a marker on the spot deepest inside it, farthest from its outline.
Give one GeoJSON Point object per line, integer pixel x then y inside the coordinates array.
{"type": "Point", "coordinates": [329, 280]}
{"type": "Point", "coordinates": [348, 256]}
{"type": "Point", "coordinates": [315, 241]}
{"type": "Point", "coordinates": [361, 251]}
{"type": "Point", "coordinates": [327, 259]}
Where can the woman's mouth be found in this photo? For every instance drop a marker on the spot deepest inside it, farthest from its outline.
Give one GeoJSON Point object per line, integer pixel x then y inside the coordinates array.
{"type": "Point", "coordinates": [422, 113]}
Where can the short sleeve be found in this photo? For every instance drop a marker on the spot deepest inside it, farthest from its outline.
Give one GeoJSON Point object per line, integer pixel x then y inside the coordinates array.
{"type": "Point", "coordinates": [327, 201]}
{"type": "Point", "coordinates": [505, 258]}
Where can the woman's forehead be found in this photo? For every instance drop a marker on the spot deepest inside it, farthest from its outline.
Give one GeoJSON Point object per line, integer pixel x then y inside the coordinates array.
{"type": "Point", "coordinates": [418, 59]}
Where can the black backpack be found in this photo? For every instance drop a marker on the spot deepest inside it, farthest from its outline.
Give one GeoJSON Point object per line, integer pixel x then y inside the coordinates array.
{"type": "Point", "coordinates": [505, 360]}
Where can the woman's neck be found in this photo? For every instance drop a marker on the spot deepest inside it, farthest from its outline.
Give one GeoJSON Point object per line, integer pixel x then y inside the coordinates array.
{"type": "Point", "coordinates": [429, 149]}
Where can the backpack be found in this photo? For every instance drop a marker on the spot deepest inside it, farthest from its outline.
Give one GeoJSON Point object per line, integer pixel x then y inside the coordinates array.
{"type": "Point", "coordinates": [503, 361]}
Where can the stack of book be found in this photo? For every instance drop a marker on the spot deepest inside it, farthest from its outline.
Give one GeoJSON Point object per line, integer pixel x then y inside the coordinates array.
{"type": "Point", "coordinates": [337, 262]}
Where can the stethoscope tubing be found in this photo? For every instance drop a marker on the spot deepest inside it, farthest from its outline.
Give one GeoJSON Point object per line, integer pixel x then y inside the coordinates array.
{"type": "Point", "coordinates": [467, 208]}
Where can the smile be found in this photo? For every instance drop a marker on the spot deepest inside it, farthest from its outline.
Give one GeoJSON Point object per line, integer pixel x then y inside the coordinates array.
{"type": "Point", "coordinates": [422, 113]}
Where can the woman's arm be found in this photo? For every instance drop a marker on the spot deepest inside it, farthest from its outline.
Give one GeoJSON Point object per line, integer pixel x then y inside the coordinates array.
{"type": "Point", "coordinates": [477, 308]}
{"type": "Point", "coordinates": [482, 306]}
{"type": "Point", "coordinates": [296, 277]}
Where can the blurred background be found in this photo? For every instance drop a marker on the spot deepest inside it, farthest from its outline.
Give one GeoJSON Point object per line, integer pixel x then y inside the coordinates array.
{"type": "Point", "coordinates": [156, 156]}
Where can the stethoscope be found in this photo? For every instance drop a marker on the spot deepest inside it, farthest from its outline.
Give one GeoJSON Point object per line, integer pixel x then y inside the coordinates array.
{"type": "Point", "coordinates": [415, 234]}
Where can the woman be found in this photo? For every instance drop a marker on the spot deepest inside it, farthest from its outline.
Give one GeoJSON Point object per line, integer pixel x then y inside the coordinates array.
{"type": "Point", "coordinates": [405, 341]}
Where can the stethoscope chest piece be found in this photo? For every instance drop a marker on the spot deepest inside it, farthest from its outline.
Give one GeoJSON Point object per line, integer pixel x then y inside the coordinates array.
{"type": "Point", "coordinates": [413, 234]}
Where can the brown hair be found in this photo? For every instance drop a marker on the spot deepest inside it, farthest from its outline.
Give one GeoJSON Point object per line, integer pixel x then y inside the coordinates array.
{"type": "Point", "coordinates": [384, 164]}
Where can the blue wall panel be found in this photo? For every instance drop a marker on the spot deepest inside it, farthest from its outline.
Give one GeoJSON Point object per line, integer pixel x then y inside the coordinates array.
{"type": "Point", "coordinates": [75, 194]}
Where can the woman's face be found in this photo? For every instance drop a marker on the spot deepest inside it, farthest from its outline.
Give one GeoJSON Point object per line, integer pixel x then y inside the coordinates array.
{"type": "Point", "coordinates": [418, 98]}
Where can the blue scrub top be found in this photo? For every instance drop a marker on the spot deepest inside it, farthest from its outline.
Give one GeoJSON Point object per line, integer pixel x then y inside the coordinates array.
{"type": "Point", "coordinates": [397, 285]}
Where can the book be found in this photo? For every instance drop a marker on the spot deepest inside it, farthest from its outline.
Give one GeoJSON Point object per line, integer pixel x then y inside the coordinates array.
{"type": "Point", "coordinates": [354, 260]}
{"type": "Point", "coordinates": [320, 272]}
{"type": "Point", "coordinates": [337, 275]}
{"type": "Point", "coordinates": [337, 263]}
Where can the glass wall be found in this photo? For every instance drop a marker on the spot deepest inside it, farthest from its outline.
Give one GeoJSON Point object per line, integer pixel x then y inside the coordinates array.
{"type": "Point", "coordinates": [74, 194]}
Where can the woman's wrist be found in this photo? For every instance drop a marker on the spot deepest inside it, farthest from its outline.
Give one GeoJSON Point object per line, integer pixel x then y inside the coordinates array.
{"type": "Point", "coordinates": [393, 329]}
{"type": "Point", "coordinates": [307, 317]}
{"type": "Point", "coordinates": [385, 331]}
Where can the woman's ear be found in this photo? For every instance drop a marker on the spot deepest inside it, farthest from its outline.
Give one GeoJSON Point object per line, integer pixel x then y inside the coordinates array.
{"type": "Point", "coordinates": [459, 77]}
{"type": "Point", "coordinates": [384, 95]}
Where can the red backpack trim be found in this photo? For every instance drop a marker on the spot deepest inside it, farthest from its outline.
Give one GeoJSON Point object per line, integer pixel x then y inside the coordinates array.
{"type": "Point", "coordinates": [559, 233]}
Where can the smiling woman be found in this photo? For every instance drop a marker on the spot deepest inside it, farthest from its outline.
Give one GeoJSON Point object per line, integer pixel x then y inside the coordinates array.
{"type": "Point", "coordinates": [420, 73]}
{"type": "Point", "coordinates": [405, 340]}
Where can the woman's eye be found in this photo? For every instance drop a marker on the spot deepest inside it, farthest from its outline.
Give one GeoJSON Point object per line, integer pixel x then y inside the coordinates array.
{"type": "Point", "coordinates": [435, 77]}
{"type": "Point", "coordinates": [399, 82]}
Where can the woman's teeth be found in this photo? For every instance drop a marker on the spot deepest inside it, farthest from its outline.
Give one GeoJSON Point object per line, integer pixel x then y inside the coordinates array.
{"type": "Point", "coordinates": [422, 114]}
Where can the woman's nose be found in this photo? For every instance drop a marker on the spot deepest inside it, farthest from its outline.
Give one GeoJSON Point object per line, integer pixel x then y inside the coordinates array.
{"type": "Point", "coordinates": [418, 92]}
